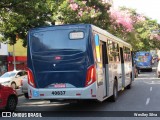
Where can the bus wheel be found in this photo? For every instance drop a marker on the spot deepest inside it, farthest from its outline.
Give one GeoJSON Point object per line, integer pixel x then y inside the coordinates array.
{"type": "Point", "coordinates": [136, 74]}
{"type": "Point", "coordinates": [115, 92]}
{"type": "Point", "coordinates": [26, 95]}
{"type": "Point", "coordinates": [129, 86]}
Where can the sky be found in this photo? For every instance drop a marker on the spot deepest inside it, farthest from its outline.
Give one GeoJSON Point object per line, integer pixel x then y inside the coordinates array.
{"type": "Point", "coordinates": [150, 8]}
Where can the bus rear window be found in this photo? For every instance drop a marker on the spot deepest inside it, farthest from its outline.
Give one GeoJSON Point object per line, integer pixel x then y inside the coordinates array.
{"type": "Point", "coordinates": [58, 40]}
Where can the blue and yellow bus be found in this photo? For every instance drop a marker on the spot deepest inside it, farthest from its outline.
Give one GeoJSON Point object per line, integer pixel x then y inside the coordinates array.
{"type": "Point", "coordinates": [79, 61]}
{"type": "Point", "coordinates": [143, 61]}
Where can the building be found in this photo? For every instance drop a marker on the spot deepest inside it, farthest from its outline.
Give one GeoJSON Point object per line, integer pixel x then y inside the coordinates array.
{"type": "Point", "coordinates": [20, 56]}
{"type": "Point", "coordinates": [3, 58]}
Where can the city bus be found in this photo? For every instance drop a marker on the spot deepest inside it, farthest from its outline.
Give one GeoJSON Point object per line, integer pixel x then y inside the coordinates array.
{"type": "Point", "coordinates": [77, 62]}
{"type": "Point", "coordinates": [143, 61]}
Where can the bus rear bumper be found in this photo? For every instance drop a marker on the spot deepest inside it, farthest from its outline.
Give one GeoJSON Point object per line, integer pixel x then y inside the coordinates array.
{"type": "Point", "coordinates": [63, 93]}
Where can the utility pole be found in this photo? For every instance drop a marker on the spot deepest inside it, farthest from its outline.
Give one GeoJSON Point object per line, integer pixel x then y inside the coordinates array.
{"type": "Point", "coordinates": [14, 60]}
{"type": "Point", "coordinates": [14, 57]}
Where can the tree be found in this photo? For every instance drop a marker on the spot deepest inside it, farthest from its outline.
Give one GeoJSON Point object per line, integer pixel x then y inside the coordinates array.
{"type": "Point", "coordinates": [135, 29]}
{"type": "Point", "coordinates": [83, 11]}
{"type": "Point", "coordinates": [18, 16]}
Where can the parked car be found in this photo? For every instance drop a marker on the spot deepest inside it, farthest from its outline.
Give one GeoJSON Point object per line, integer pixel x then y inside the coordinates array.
{"type": "Point", "coordinates": [8, 98]}
{"type": "Point", "coordinates": [24, 86]}
{"type": "Point", "coordinates": [12, 78]}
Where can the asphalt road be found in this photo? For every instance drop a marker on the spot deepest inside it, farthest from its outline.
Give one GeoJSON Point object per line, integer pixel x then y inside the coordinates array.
{"type": "Point", "coordinates": [143, 96]}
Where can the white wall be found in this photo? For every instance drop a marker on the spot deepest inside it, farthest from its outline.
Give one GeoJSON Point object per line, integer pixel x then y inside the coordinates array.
{"type": "Point", "coordinates": [3, 49]}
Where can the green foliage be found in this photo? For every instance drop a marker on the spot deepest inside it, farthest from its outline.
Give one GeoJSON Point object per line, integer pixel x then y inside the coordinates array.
{"type": "Point", "coordinates": [18, 16]}
{"type": "Point", "coordinates": [140, 38]}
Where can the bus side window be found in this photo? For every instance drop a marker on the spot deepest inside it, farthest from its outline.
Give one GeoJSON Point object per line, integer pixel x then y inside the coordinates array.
{"type": "Point", "coordinates": [110, 47]}
{"type": "Point", "coordinates": [127, 54]}
{"type": "Point", "coordinates": [113, 51]}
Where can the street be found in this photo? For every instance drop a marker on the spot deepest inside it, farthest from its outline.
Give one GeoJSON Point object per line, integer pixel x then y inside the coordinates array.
{"type": "Point", "coordinates": [143, 96]}
{"type": "Point", "coordinates": [70, 55]}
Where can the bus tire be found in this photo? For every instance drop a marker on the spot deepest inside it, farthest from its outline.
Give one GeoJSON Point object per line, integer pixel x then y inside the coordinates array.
{"type": "Point", "coordinates": [26, 95]}
{"type": "Point", "coordinates": [115, 92]}
{"type": "Point", "coordinates": [129, 86]}
{"type": "Point", "coordinates": [136, 74]}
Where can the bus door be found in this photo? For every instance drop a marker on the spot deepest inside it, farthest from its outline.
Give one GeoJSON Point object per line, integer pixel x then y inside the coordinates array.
{"type": "Point", "coordinates": [133, 74]}
{"type": "Point", "coordinates": [123, 67]}
{"type": "Point", "coordinates": [101, 60]}
{"type": "Point", "coordinates": [105, 68]}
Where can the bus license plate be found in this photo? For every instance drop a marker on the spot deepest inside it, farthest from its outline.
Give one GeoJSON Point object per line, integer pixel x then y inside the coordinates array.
{"type": "Point", "coordinates": [58, 92]}
{"type": "Point", "coordinates": [60, 85]}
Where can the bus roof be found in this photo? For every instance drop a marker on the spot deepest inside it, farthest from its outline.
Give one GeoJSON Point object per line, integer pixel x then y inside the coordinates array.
{"type": "Point", "coordinates": [64, 25]}
{"type": "Point", "coordinates": [104, 32]}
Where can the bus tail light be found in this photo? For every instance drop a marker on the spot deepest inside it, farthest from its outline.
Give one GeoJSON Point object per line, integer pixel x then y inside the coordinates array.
{"type": "Point", "coordinates": [91, 75]}
{"type": "Point", "coordinates": [30, 78]}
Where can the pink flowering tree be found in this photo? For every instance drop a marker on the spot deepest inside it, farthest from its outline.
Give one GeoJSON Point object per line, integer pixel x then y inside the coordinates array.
{"type": "Point", "coordinates": [124, 23]}
{"type": "Point", "coordinates": [83, 11]}
{"type": "Point", "coordinates": [134, 28]}
{"type": "Point", "coordinates": [121, 24]}
{"type": "Point", "coordinates": [121, 19]}
{"type": "Point", "coordinates": [155, 36]}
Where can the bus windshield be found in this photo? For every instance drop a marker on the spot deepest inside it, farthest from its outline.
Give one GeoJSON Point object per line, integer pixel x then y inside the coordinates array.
{"type": "Point", "coordinates": [44, 41]}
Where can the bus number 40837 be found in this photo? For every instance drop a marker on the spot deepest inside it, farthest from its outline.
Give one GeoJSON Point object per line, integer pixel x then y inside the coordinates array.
{"type": "Point", "coordinates": [58, 92]}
